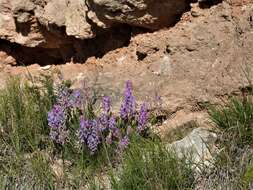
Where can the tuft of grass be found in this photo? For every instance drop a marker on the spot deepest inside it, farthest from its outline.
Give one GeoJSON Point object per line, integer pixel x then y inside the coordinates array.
{"type": "Point", "coordinates": [236, 120]}
{"type": "Point", "coordinates": [234, 123]}
{"type": "Point", "coordinates": [23, 131]}
{"type": "Point", "coordinates": [147, 164]}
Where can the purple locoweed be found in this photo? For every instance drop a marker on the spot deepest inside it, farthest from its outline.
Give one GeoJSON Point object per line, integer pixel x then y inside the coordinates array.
{"type": "Point", "coordinates": [56, 117]}
{"type": "Point", "coordinates": [69, 98]}
{"type": "Point", "coordinates": [59, 135]}
{"type": "Point", "coordinates": [143, 118]}
{"type": "Point", "coordinates": [127, 109]}
{"type": "Point", "coordinates": [89, 134]}
{"type": "Point", "coordinates": [106, 104]}
{"type": "Point", "coordinates": [114, 130]}
{"type": "Point", "coordinates": [105, 116]}
{"type": "Point", "coordinates": [57, 123]}
{"type": "Point", "coordinates": [63, 94]}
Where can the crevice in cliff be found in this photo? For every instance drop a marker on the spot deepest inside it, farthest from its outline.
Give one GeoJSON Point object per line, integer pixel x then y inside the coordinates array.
{"type": "Point", "coordinates": [72, 50]}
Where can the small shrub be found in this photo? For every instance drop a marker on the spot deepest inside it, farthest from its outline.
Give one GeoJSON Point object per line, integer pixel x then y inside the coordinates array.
{"type": "Point", "coordinates": [88, 139]}
{"type": "Point", "coordinates": [95, 131]}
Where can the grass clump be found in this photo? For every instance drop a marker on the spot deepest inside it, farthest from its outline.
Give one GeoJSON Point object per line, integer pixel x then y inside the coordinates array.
{"type": "Point", "coordinates": [23, 131]}
{"type": "Point", "coordinates": [235, 141]}
{"type": "Point", "coordinates": [149, 165]}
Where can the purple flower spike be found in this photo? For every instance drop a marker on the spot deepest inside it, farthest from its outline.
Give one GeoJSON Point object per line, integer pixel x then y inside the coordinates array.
{"type": "Point", "coordinates": [56, 121]}
{"type": "Point", "coordinates": [112, 123]}
{"type": "Point", "coordinates": [63, 97]}
{"type": "Point", "coordinates": [89, 134]}
{"type": "Point", "coordinates": [106, 104]}
{"type": "Point", "coordinates": [56, 117]}
{"type": "Point", "coordinates": [127, 108]}
{"type": "Point", "coordinates": [105, 116]}
{"type": "Point", "coordinates": [143, 118]}
{"type": "Point", "coordinates": [59, 135]}
{"type": "Point", "coordinates": [104, 121]}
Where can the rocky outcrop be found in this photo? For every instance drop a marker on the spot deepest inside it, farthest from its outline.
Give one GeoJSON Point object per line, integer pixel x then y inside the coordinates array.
{"type": "Point", "coordinates": [49, 23]}
{"type": "Point", "coordinates": [151, 14]}
{"type": "Point", "coordinates": [19, 27]}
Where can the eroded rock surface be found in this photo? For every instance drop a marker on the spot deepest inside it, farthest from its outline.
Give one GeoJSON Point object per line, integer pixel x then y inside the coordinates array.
{"type": "Point", "coordinates": [152, 14]}
{"type": "Point", "coordinates": [49, 23]}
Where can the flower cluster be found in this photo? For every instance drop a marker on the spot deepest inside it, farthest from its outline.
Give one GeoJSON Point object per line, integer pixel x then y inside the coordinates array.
{"type": "Point", "coordinates": [89, 134]}
{"type": "Point", "coordinates": [57, 117]}
{"type": "Point", "coordinates": [105, 128]}
{"type": "Point", "coordinates": [69, 99]}
{"type": "Point", "coordinates": [127, 109]}
{"type": "Point", "coordinates": [143, 118]}
{"type": "Point", "coordinates": [57, 123]}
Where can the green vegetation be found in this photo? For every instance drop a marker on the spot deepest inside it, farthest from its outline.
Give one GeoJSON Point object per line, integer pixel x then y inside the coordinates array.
{"type": "Point", "coordinates": [24, 134]}
{"type": "Point", "coordinates": [30, 159]}
{"type": "Point", "coordinates": [233, 166]}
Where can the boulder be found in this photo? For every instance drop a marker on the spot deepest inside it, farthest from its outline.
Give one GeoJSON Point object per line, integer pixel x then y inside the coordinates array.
{"type": "Point", "coordinates": [197, 146]}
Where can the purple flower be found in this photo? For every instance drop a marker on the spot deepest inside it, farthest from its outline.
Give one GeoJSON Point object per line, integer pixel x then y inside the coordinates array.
{"type": "Point", "coordinates": [56, 121]}
{"type": "Point", "coordinates": [104, 121]}
{"type": "Point", "coordinates": [113, 128]}
{"type": "Point", "coordinates": [63, 97]}
{"type": "Point", "coordinates": [123, 144]}
{"type": "Point", "coordinates": [63, 135]}
{"type": "Point", "coordinates": [56, 117]}
{"type": "Point", "coordinates": [127, 108]}
{"type": "Point", "coordinates": [106, 104]}
{"type": "Point", "coordinates": [76, 99]}
{"type": "Point", "coordinates": [143, 118]}
{"type": "Point", "coordinates": [105, 116]}
{"type": "Point", "coordinates": [59, 135]}
{"type": "Point", "coordinates": [68, 99]}
{"type": "Point", "coordinates": [89, 134]}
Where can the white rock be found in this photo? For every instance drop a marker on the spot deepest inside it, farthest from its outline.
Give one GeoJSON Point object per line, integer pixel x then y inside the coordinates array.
{"type": "Point", "coordinates": [197, 146]}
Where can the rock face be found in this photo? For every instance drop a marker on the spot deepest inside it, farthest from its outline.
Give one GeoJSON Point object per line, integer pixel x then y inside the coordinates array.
{"type": "Point", "coordinates": [152, 14]}
{"type": "Point", "coordinates": [17, 27]}
{"type": "Point", "coordinates": [49, 23]}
